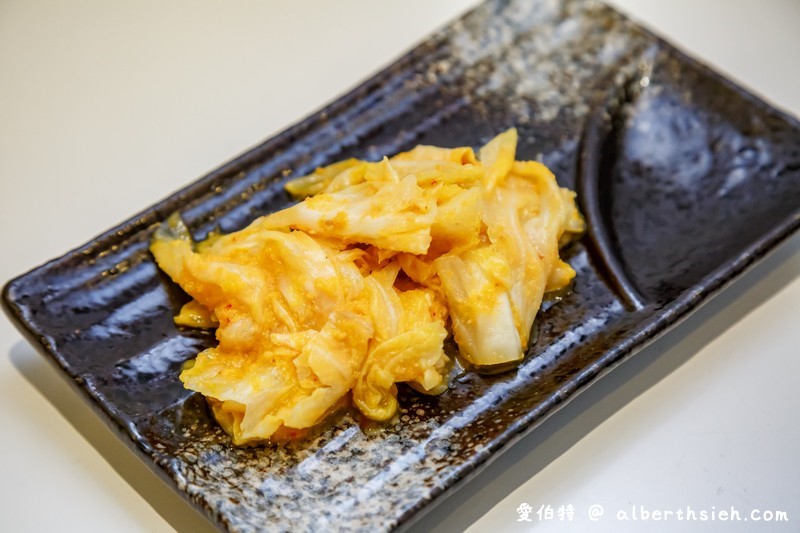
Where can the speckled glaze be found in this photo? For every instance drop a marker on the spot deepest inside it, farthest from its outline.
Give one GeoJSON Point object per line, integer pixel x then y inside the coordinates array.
{"type": "Point", "coordinates": [686, 180]}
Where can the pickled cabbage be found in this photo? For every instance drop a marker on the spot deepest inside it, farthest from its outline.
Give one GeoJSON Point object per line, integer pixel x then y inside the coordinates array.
{"type": "Point", "coordinates": [355, 288]}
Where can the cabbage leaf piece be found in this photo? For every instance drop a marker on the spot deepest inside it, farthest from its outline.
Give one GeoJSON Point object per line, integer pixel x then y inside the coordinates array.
{"type": "Point", "coordinates": [355, 288]}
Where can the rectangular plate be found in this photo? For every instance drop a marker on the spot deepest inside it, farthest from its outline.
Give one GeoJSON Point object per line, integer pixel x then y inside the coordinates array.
{"type": "Point", "coordinates": [685, 179]}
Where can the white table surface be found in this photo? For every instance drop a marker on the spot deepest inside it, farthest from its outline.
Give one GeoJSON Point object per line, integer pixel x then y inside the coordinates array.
{"type": "Point", "coordinates": [98, 97]}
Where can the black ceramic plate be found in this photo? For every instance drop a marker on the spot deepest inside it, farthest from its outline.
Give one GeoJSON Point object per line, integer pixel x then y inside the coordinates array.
{"type": "Point", "coordinates": [686, 180]}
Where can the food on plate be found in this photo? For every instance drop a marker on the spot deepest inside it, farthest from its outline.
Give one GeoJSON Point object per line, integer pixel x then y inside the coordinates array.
{"type": "Point", "coordinates": [356, 287]}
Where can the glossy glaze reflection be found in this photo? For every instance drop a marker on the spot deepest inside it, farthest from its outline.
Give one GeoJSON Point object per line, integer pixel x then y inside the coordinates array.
{"type": "Point", "coordinates": [687, 181]}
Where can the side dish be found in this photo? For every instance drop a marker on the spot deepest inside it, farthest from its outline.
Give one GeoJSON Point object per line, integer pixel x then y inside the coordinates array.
{"type": "Point", "coordinates": [355, 288]}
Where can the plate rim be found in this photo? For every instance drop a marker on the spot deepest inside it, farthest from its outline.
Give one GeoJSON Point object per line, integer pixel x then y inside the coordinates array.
{"type": "Point", "coordinates": [648, 331]}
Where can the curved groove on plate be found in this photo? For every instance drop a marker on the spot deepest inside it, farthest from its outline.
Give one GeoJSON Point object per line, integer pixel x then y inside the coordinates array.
{"type": "Point", "coordinates": [98, 312]}
{"type": "Point", "coordinates": [591, 176]}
